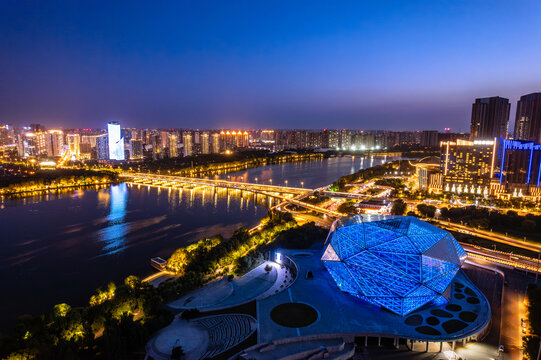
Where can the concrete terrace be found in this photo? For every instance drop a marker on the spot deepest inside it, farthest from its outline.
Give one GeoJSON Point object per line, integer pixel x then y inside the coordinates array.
{"type": "Point", "coordinates": [221, 294]}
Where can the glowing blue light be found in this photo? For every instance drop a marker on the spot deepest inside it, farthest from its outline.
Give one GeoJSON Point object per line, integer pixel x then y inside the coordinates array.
{"type": "Point", "coordinates": [530, 165]}
{"type": "Point", "coordinates": [114, 235]}
{"type": "Point", "coordinates": [503, 160]}
{"type": "Point", "coordinates": [399, 263]}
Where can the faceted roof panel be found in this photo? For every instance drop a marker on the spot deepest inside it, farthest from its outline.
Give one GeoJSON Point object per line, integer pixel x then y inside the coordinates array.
{"type": "Point", "coordinates": [330, 254]}
{"type": "Point", "coordinates": [444, 250]}
{"type": "Point", "coordinates": [401, 245]}
{"type": "Point", "coordinates": [399, 263]}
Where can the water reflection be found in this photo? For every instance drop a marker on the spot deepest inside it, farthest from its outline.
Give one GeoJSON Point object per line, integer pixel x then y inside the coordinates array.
{"type": "Point", "coordinates": [114, 234]}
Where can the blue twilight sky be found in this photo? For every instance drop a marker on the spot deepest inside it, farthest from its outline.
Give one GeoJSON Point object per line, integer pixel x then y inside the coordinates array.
{"type": "Point", "coordinates": [252, 64]}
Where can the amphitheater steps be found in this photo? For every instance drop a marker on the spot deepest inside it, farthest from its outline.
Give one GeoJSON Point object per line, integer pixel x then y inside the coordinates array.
{"type": "Point", "coordinates": [225, 331]}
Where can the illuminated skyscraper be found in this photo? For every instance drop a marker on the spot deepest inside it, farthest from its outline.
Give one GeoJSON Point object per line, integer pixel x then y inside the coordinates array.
{"type": "Point", "coordinates": [102, 147]}
{"type": "Point", "coordinates": [116, 141]}
{"type": "Point", "coordinates": [215, 143]}
{"type": "Point", "coordinates": [205, 143]}
{"type": "Point", "coordinates": [50, 143]}
{"type": "Point", "coordinates": [528, 118]}
{"type": "Point", "coordinates": [332, 139]}
{"type": "Point", "coordinates": [468, 166]}
{"type": "Point", "coordinates": [520, 167]}
{"type": "Point", "coordinates": [489, 118]}
{"type": "Point", "coordinates": [187, 140]}
{"type": "Point", "coordinates": [74, 144]}
{"type": "Point", "coordinates": [173, 139]}
{"type": "Point", "coordinates": [345, 139]}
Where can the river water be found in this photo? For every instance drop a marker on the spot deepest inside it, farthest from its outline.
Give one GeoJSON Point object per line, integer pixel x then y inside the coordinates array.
{"type": "Point", "coordinates": [61, 247]}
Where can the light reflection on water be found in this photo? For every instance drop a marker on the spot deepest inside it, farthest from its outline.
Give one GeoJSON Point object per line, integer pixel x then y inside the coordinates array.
{"type": "Point", "coordinates": [114, 234]}
{"type": "Point", "coordinates": [62, 246]}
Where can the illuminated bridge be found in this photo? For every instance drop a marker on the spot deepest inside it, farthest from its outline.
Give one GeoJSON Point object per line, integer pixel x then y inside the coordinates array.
{"type": "Point", "coordinates": [284, 193]}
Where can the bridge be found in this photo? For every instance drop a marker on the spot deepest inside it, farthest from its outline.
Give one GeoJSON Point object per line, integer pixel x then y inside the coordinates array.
{"type": "Point", "coordinates": [287, 194]}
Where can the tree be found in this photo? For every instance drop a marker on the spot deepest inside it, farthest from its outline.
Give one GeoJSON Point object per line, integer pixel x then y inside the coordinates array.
{"type": "Point", "coordinates": [133, 282]}
{"type": "Point", "coordinates": [347, 207]}
{"type": "Point", "coordinates": [177, 353]}
{"type": "Point", "coordinates": [426, 210]}
{"type": "Point", "coordinates": [178, 260]}
{"type": "Point", "coordinates": [399, 207]}
{"type": "Point", "coordinates": [528, 225]}
{"type": "Point", "coordinates": [61, 310]}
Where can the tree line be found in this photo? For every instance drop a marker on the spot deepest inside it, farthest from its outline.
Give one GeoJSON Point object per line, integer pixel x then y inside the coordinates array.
{"type": "Point", "coordinates": [51, 179]}
{"type": "Point", "coordinates": [486, 219]}
{"type": "Point", "coordinates": [209, 164]}
{"type": "Point", "coordinates": [342, 184]}
{"type": "Point", "coordinates": [532, 342]}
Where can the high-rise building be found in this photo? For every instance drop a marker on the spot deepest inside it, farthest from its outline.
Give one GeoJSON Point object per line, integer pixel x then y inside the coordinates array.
{"type": "Point", "coordinates": [332, 139]}
{"type": "Point", "coordinates": [187, 140]}
{"type": "Point", "coordinates": [429, 138]}
{"type": "Point", "coordinates": [205, 148]}
{"type": "Point", "coordinates": [50, 143]}
{"type": "Point", "coordinates": [215, 143]}
{"type": "Point", "coordinates": [116, 141]}
{"type": "Point", "coordinates": [102, 147]}
{"type": "Point", "coordinates": [245, 139]}
{"type": "Point", "coordinates": [467, 166]}
{"type": "Point", "coordinates": [345, 139]}
{"type": "Point", "coordinates": [489, 118]}
{"type": "Point", "coordinates": [74, 145]}
{"type": "Point", "coordinates": [4, 135]}
{"type": "Point", "coordinates": [27, 144]}
{"type": "Point", "coordinates": [528, 118]}
{"type": "Point", "coordinates": [136, 149]}
{"type": "Point", "coordinates": [173, 140]}
{"type": "Point", "coordinates": [429, 178]}
{"type": "Point", "coordinates": [520, 167]}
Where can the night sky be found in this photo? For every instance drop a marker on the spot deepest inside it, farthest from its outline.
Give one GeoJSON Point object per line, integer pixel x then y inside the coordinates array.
{"type": "Point", "coordinates": [255, 64]}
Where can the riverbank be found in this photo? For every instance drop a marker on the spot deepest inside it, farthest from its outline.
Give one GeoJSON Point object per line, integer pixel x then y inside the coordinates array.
{"type": "Point", "coordinates": [75, 242]}
{"type": "Point", "coordinates": [215, 164]}
{"type": "Point", "coordinates": [38, 181]}
{"type": "Point", "coordinates": [133, 309]}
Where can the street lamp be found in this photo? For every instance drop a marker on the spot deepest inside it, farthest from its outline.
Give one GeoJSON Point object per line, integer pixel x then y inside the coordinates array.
{"type": "Point", "coordinates": [302, 184]}
{"type": "Point", "coordinates": [286, 182]}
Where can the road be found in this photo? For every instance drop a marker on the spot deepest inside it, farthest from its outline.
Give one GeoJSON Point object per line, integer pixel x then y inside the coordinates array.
{"type": "Point", "coordinates": [528, 245]}
{"type": "Point", "coordinates": [511, 307]}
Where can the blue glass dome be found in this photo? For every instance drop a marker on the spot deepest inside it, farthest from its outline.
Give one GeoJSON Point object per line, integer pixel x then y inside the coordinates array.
{"type": "Point", "coordinates": [396, 262]}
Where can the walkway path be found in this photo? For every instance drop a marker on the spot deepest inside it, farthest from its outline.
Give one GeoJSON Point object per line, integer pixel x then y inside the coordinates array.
{"type": "Point", "coordinates": [220, 294]}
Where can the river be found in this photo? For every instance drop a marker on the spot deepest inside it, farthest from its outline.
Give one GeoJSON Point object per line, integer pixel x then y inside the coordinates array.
{"type": "Point", "coordinates": [61, 247]}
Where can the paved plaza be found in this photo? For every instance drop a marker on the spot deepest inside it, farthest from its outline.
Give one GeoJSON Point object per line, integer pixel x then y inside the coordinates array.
{"type": "Point", "coordinates": [342, 313]}
{"type": "Point", "coordinates": [221, 293]}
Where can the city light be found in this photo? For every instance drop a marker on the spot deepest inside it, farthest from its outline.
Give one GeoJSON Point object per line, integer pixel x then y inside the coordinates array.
{"type": "Point", "coordinates": [116, 141]}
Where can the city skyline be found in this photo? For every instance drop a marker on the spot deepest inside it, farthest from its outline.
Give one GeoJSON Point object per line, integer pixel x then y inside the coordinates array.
{"type": "Point", "coordinates": [380, 66]}
{"type": "Point", "coordinates": [184, 180]}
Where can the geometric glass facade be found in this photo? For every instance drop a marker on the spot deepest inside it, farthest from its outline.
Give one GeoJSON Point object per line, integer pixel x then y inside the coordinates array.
{"type": "Point", "coordinates": [397, 262]}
